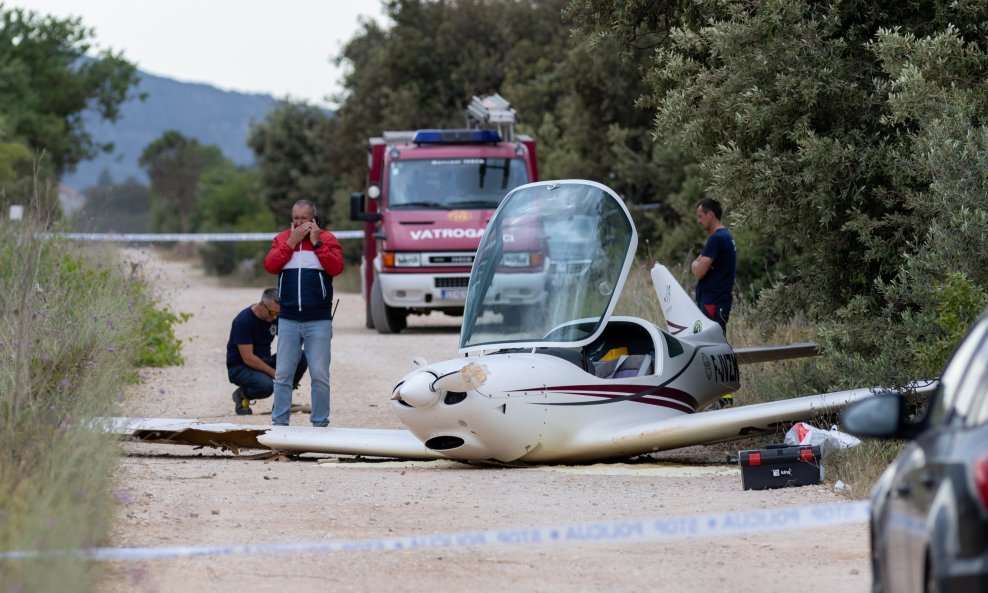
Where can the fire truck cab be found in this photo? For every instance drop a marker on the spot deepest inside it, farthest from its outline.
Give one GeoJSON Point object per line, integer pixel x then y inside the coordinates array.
{"type": "Point", "coordinates": [428, 199]}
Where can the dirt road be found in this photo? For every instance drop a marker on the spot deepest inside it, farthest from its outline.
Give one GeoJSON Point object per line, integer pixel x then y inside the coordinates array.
{"type": "Point", "coordinates": [177, 496]}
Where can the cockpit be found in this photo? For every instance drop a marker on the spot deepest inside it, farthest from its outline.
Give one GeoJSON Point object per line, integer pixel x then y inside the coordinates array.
{"type": "Point", "coordinates": [549, 269]}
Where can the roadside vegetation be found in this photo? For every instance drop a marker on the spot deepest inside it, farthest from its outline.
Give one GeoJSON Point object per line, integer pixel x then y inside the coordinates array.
{"type": "Point", "coordinates": [75, 328]}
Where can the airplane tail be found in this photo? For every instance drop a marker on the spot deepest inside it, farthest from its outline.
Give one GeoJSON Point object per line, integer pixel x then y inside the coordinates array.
{"type": "Point", "coordinates": [681, 313]}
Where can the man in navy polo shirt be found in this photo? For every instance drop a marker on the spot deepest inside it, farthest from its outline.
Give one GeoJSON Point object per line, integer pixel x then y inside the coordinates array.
{"type": "Point", "coordinates": [249, 362]}
{"type": "Point", "coordinates": [716, 266]}
{"type": "Point", "coordinates": [715, 270]}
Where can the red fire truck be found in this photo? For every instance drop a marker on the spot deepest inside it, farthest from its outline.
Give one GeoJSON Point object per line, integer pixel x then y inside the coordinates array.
{"type": "Point", "coordinates": [429, 196]}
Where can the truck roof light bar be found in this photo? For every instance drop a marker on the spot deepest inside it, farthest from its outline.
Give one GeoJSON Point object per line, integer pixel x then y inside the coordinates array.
{"type": "Point", "coordinates": [456, 137]}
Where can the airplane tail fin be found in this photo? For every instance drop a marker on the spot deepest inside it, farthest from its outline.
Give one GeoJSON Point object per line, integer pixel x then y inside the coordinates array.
{"type": "Point", "coordinates": [681, 313]}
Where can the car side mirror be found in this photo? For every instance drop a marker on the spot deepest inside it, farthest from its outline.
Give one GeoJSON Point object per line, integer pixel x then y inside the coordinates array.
{"type": "Point", "coordinates": [880, 416]}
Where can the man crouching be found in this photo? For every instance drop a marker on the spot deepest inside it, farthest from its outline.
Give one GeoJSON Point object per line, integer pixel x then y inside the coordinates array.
{"type": "Point", "coordinates": [249, 362]}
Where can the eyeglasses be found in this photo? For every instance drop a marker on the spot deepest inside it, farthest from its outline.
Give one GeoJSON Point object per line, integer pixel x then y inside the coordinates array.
{"type": "Point", "coordinates": [268, 309]}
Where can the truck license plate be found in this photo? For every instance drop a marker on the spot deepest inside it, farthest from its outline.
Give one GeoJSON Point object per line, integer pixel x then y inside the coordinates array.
{"type": "Point", "coordinates": [454, 295]}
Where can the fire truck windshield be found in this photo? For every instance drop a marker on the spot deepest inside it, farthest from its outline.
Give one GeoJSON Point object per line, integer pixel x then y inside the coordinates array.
{"type": "Point", "coordinates": [461, 183]}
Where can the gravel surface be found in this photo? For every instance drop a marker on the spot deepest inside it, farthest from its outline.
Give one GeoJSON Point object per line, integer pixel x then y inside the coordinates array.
{"type": "Point", "coordinates": [180, 496]}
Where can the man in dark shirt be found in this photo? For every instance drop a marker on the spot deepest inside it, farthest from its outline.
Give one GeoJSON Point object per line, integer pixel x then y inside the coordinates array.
{"type": "Point", "coordinates": [716, 266]}
{"type": "Point", "coordinates": [715, 269]}
{"type": "Point", "coordinates": [249, 362]}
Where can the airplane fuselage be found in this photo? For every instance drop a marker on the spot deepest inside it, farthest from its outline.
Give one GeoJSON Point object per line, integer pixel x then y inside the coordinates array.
{"type": "Point", "coordinates": [541, 408]}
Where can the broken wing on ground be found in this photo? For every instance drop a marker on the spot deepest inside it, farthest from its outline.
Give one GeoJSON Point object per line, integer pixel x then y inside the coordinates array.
{"type": "Point", "coordinates": [371, 442]}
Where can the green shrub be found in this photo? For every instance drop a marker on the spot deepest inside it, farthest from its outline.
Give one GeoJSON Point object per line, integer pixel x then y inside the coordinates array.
{"type": "Point", "coordinates": [158, 345]}
{"type": "Point", "coordinates": [959, 303]}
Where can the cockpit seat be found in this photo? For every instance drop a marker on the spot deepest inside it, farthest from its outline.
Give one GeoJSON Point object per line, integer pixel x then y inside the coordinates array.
{"type": "Point", "coordinates": [624, 366]}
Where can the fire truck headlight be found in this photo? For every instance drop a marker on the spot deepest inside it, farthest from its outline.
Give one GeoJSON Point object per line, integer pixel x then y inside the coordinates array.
{"type": "Point", "coordinates": [374, 192]}
{"type": "Point", "coordinates": [407, 260]}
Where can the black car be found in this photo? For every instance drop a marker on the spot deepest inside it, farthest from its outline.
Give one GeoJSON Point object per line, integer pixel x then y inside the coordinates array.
{"type": "Point", "coordinates": [929, 510]}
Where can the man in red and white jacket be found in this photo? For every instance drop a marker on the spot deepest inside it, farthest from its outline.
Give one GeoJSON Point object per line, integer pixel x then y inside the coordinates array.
{"type": "Point", "coordinates": [305, 258]}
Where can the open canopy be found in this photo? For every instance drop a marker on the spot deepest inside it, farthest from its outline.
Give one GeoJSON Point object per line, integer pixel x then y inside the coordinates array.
{"type": "Point", "coordinates": [549, 268]}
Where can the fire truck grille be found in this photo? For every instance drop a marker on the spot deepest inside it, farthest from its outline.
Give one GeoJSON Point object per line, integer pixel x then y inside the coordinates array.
{"type": "Point", "coordinates": [452, 282]}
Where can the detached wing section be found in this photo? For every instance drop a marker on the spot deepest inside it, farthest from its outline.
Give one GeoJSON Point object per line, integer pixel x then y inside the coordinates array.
{"type": "Point", "coordinates": [369, 442]}
{"type": "Point", "coordinates": [736, 423]}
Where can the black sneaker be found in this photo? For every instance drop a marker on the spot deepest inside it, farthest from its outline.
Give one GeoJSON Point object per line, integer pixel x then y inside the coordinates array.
{"type": "Point", "coordinates": [241, 405]}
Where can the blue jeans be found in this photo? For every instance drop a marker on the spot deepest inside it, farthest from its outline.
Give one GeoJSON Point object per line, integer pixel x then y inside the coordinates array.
{"type": "Point", "coordinates": [258, 384]}
{"type": "Point", "coordinates": [318, 338]}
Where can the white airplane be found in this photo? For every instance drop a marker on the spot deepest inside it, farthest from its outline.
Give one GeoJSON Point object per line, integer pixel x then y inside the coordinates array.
{"type": "Point", "coordinates": [556, 379]}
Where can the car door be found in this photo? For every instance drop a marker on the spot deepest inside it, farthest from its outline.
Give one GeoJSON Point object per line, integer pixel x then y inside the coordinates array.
{"type": "Point", "coordinates": [917, 494]}
{"type": "Point", "coordinates": [923, 487]}
{"type": "Point", "coordinates": [903, 522]}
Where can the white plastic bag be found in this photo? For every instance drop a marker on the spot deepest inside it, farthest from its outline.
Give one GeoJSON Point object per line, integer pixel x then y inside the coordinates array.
{"type": "Point", "coordinates": [828, 440]}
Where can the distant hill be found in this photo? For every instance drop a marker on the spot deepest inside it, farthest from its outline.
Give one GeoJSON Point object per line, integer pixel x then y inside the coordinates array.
{"type": "Point", "coordinates": [200, 111]}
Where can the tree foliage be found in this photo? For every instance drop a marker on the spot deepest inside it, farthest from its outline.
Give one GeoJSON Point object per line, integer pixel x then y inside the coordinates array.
{"type": "Point", "coordinates": [114, 207]}
{"type": "Point", "coordinates": [46, 82]}
{"type": "Point", "coordinates": [15, 161]}
{"type": "Point", "coordinates": [847, 143]}
{"type": "Point", "coordinates": [292, 146]}
{"type": "Point", "coordinates": [16, 168]}
{"type": "Point", "coordinates": [230, 202]}
{"type": "Point", "coordinates": [175, 164]}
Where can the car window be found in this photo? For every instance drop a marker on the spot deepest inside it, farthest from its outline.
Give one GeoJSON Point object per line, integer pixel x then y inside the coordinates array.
{"type": "Point", "coordinates": [981, 415]}
{"type": "Point", "coordinates": [971, 391]}
{"type": "Point", "coordinates": [963, 379]}
{"type": "Point", "coordinates": [978, 387]}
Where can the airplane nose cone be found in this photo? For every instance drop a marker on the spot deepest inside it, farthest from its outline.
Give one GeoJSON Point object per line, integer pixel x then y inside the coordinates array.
{"type": "Point", "coordinates": [417, 391]}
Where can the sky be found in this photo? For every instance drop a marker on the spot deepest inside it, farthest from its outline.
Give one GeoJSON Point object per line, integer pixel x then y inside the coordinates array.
{"type": "Point", "coordinates": [282, 48]}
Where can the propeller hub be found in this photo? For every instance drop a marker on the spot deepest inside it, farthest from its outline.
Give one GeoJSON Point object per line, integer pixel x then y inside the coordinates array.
{"type": "Point", "coordinates": [417, 390]}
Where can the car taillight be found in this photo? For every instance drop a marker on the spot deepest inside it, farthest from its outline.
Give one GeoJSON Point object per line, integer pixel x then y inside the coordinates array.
{"type": "Point", "coordinates": [980, 470]}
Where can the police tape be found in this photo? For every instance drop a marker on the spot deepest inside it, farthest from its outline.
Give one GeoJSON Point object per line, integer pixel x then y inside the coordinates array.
{"type": "Point", "coordinates": [183, 237]}
{"type": "Point", "coordinates": [654, 529]}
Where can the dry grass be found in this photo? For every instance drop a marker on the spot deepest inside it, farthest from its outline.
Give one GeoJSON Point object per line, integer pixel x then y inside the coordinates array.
{"type": "Point", "coordinates": [71, 330]}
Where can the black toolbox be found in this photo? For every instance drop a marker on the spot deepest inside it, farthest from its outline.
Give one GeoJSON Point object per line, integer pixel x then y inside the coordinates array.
{"type": "Point", "coordinates": [779, 466]}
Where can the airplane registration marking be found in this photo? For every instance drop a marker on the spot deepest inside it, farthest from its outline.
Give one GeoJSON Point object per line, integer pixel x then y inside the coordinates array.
{"type": "Point", "coordinates": [725, 367]}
